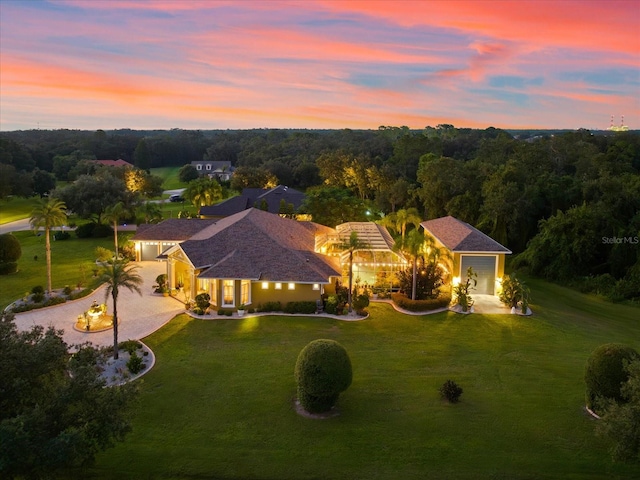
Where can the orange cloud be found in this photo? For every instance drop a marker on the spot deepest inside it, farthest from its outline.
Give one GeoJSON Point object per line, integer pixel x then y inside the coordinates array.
{"type": "Point", "coordinates": [596, 25]}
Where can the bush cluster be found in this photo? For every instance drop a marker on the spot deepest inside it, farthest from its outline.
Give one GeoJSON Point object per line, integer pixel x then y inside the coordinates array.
{"type": "Point", "coordinates": [271, 307]}
{"type": "Point", "coordinates": [605, 373]}
{"type": "Point", "coordinates": [10, 253]}
{"type": "Point", "coordinates": [37, 294]}
{"type": "Point", "coordinates": [202, 302]}
{"type": "Point", "coordinates": [130, 346]}
{"type": "Point", "coordinates": [450, 391]}
{"type": "Point", "coordinates": [135, 363]}
{"type": "Point", "coordinates": [61, 235]}
{"type": "Point", "coordinates": [322, 372]}
{"type": "Point", "coordinates": [95, 230]}
{"type": "Point", "coordinates": [300, 307]}
{"type": "Point", "coordinates": [402, 301]}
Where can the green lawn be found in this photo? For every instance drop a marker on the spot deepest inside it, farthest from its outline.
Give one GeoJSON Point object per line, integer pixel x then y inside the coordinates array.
{"type": "Point", "coordinates": [218, 403]}
{"type": "Point", "coordinates": [170, 177]}
{"type": "Point", "coordinates": [68, 258]}
{"type": "Point", "coordinates": [15, 208]}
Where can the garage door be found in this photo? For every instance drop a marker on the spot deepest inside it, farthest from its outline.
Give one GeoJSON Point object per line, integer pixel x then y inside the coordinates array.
{"type": "Point", "coordinates": [485, 267]}
{"type": "Point", "coordinates": [149, 251]}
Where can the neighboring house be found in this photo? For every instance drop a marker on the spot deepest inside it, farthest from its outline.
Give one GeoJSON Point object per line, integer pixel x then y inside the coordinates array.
{"type": "Point", "coordinates": [151, 240]}
{"type": "Point", "coordinates": [469, 247]}
{"type": "Point", "coordinates": [269, 200]}
{"type": "Point", "coordinates": [221, 170]}
{"type": "Point", "coordinates": [113, 163]}
{"type": "Point", "coordinates": [252, 257]}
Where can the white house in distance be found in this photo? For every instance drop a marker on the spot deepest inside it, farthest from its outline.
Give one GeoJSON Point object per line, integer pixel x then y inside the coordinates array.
{"type": "Point", "coordinates": [220, 170]}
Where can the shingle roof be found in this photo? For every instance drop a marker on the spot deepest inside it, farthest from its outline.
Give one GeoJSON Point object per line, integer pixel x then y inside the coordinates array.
{"type": "Point", "coordinates": [172, 229]}
{"type": "Point", "coordinates": [258, 245]}
{"type": "Point", "coordinates": [459, 236]}
{"type": "Point", "coordinates": [251, 197]}
{"type": "Point", "coordinates": [114, 163]}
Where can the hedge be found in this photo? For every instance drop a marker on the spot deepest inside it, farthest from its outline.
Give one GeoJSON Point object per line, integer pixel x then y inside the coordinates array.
{"type": "Point", "coordinates": [402, 301]}
{"type": "Point", "coordinates": [300, 307]}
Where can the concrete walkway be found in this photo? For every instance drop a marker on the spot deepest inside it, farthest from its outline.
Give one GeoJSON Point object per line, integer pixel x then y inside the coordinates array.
{"type": "Point", "coordinates": [139, 315]}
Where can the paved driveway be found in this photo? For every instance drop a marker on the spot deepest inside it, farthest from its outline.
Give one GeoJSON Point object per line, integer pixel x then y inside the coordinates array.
{"type": "Point", "coordinates": [139, 315]}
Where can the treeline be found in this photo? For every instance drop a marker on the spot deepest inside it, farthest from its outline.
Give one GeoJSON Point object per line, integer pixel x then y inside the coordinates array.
{"type": "Point", "coordinates": [568, 202]}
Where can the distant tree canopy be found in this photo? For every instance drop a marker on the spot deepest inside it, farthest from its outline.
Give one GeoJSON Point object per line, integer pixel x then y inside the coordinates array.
{"type": "Point", "coordinates": [520, 187]}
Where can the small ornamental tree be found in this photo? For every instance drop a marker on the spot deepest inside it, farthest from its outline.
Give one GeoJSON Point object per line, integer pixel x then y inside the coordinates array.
{"type": "Point", "coordinates": [322, 372]}
{"type": "Point", "coordinates": [605, 373]}
{"type": "Point", "coordinates": [10, 252]}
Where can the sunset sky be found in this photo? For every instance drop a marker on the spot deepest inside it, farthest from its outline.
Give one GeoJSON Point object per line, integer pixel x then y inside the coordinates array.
{"type": "Point", "coordinates": [90, 64]}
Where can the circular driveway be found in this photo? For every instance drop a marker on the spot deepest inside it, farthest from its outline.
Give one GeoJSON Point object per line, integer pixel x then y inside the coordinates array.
{"type": "Point", "coordinates": [139, 315]}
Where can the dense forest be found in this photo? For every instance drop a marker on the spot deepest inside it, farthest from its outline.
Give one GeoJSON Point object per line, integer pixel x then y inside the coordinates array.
{"type": "Point", "coordinates": [567, 203]}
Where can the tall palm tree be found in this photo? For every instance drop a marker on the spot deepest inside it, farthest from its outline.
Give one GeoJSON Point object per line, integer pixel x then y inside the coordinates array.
{"type": "Point", "coordinates": [118, 274]}
{"type": "Point", "coordinates": [399, 220]}
{"type": "Point", "coordinates": [414, 246]}
{"type": "Point", "coordinates": [48, 213]}
{"type": "Point", "coordinates": [351, 245]}
{"type": "Point", "coordinates": [115, 213]}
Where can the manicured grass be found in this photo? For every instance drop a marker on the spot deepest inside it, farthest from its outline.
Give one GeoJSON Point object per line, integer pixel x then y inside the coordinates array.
{"type": "Point", "coordinates": [219, 402]}
{"type": "Point", "coordinates": [15, 208]}
{"type": "Point", "coordinates": [171, 209]}
{"type": "Point", "coordinates": [170, 176]}
{"type": "Point", "coordinates": [68, 258]}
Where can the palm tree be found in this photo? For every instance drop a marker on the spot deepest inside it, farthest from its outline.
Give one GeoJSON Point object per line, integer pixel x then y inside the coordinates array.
{"type": "Point", "coordinates": [203, 191]}
{"type": "Point", "coordinates": [399, 220]}
{"type": "Point", "coordinates": [115, 213]}
{"type": "Point", "coordinates": [48, 213]}
{"type": "Point", "coordinates": [414, 246]}
{"type": "Point", "coordinates": [118, 274]}
{"type": "Point", "coordinates": [351, 245]}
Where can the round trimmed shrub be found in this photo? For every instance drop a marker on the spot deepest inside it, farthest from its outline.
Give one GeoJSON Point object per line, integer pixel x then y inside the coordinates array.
{"type": "Point", "coordinates": [10, 252]}
{"type": "Point", "coordinates": [323, 371]}
{"type": "Point", "coordinates": [202, 301]}
{"type": "Point", "coordinates": [605, 373]}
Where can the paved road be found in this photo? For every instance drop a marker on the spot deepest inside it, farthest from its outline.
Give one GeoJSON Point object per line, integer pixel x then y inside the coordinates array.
{"type": "Point", "coordinates": [139, 315]}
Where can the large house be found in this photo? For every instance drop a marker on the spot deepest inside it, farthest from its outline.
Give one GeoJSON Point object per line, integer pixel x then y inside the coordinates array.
{"type": "Point", "coordinates": [269, 199]}
{"type": "Point", "coordinates": [250, 258]}
{"type": "Point", "coordinates": [253, 256]}
{"type": "Point", "coordinates": [221, 170]}
{"type": "Point", "coordinates": [469, 247]}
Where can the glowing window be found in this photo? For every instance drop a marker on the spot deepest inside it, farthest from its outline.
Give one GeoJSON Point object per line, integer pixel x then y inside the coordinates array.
{"type": "Point", "coordinates": [228, 287]}
{"type": "Point", "coordinates": [316, 286]}
{"type": "Point", "coordinates": [245, 291]}
{"type": "Point", "coordinates": [292, 286]}
{"type": "Point", "coordinates": [265, 285]}
{"type": "Point", "coordinates": [278, 286]}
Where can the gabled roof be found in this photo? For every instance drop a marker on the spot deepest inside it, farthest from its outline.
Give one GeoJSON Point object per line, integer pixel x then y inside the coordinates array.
{"type": "Point", "coordinates": [461, 237]}
{"type": "Point", "coordinates": [113, 163]}
{"type": "Point", "coordinates": [172, 229]}
{"type": "Point", "coordinates": [253, 197]}
{"type": "Point", "coordinates": [258, 245]}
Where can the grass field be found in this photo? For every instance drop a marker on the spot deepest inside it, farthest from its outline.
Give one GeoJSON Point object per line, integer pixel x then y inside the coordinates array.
{"type": "Point", "coordinates": [170, 177]}
{"type": "Point", "coordinates": [69, 259]}
{"type": "Point", "coordinates": [15, 208]}
{"type": "Point", "coordinates": [218, 403]}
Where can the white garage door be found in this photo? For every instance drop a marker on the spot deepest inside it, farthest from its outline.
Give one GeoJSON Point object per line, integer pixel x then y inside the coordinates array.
{"type": "Point", "coordinates": [149, 251]}
{"type": "Point", "coordinates": [485, 267]}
